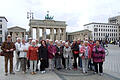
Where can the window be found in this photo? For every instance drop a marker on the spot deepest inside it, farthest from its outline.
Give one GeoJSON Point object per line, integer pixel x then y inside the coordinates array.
{"type": "Point", "coordinates": [95, 30]}
{"type": "Point", "coordinates": [0, 20]}
{"type": "Point", "coordinates": [0, 26]}
{"type": "Point", "coordinates": [99, 34]}
{"type": "Point", "coordinates": [0, 31]}
{"type": "Point", "coordinates": [0, 39]}
{"type": "Point", "coordinates": [96, 34]}
{"type": "Point", "coordinates": [99, 29]}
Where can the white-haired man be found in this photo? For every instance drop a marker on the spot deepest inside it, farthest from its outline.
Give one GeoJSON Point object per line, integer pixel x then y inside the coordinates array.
{"type": "Point", "coordinates": [17, 45]}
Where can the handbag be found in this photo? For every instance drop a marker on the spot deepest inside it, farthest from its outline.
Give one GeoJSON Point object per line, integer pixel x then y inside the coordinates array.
{"type": "Point", "coordinates": [1, 53]}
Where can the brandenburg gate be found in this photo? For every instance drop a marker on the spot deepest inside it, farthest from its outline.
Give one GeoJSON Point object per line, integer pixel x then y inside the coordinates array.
{"type": "Point", "coordinates": [48, 23]}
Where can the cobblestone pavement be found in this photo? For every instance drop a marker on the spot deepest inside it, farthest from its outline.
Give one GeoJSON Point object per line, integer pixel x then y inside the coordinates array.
{"type": "Point", "coordinates": [111, 71]}
{"type": "Point", "coordinates": [112, 62]}
{"type": "Point", "coordinates": [20, 76]}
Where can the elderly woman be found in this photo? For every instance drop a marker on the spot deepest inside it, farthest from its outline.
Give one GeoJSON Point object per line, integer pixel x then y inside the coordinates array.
{"type": "Point", "coordinates": [58, 56]}
{"type": "Point", "coordinates": [86, 55]}
{"type": "Point", "coordinates": [68, 56]}
{"type": "Point", "coordinates": [32, 55]}
{"type": "Point", "coordinates": [51, 55]}
{"type": "Point", "coordinates": [98, 57]}
{"type": "Point", "coordinates": [23, 55]}
{"type": "Point", "coordinates": [43, 56]}
{"type": "Point", "coordinates": [75, 50]}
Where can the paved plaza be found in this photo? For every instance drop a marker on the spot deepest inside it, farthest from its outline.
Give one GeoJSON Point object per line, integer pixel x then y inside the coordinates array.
{"type": "Point", "coordinates": [111, 71]}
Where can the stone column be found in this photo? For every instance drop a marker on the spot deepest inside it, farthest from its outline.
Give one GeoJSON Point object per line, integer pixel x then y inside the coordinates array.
{"type": "Point", "coordinates": [52, 33]}
{"type": "Point", "coordinates": [37, 33]}
{"type": "Point", "coordinates": [13, 36]}
{"type": "Point", "coordinates": [43, 33]}
{"type": "Point", "coordinates": [63, 34]}
{"type": "Point", "coordinates": [58, 34]}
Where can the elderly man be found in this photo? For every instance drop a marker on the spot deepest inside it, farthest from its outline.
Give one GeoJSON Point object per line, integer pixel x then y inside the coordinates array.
{"type": "Point", "coordinates": [8, 47]}
{"type": "Point", "coordinates": [17, 45]}
{"type": "Point", "coordinates": [29, 44]}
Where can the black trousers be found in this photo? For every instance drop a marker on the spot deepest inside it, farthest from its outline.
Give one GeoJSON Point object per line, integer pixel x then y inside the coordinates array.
{"type": "Point", "coordinates": [43, 64]}
{"type": "Point", "coordinates": [75, 60]}
{"type": "Point", "coordinates": [100, 67]}
{"type": "Point", "coordinates": [89, 64]}
{"type": "Point", "coordinates": [63, 62]}
{"type": "Point", "coordinates": [28, 64]}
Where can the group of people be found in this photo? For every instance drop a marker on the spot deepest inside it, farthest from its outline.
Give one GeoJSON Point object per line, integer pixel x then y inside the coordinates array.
{"type": "Point", "coordinates": [53, 55]}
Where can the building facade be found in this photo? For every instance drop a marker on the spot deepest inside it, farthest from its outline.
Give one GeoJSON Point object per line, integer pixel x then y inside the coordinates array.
{"type": "Point", "coordinates": [52, 25]}
{"type": "Point", "coordinates": [3, 28]}
{"type": "Point", "coordinates": [115, 20]}
{"type": "Point", "coordinates": [81, 35]}
{"type": "Point", "coordinates": [16, 32]}
{"type": "Point", "coordinates": [103, 31]}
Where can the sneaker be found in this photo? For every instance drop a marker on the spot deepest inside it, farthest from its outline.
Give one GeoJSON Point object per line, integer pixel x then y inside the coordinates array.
{"type": "Point", "coordinates": [23, 72]}
{"type": "Point", "coordinates": [17, 70]}
{"type": "Point", "coordinates": [12, 73]}
{"type": "Point", "coordinates": [101, 74]}
{"type": "Point", "coordinates": [95, 72]}
{"type": "Point", "coordinates": [6, 74]}
{"type": "Point", "coordinates": [42, 72]}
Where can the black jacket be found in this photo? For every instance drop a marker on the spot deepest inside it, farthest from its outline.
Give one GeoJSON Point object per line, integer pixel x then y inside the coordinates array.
{"type": "Point", "coordinates": [43, 52]}
{"type": "Point", "coordinates": [58, 53]}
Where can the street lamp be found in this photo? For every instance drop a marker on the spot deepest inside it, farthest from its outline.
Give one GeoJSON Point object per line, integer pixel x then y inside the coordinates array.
{"type": "Point", "coordinates": [30, 17]}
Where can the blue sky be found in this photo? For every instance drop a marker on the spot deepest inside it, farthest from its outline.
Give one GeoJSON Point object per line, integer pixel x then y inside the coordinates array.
{"type": "Point", "coordinates": [76, 13]}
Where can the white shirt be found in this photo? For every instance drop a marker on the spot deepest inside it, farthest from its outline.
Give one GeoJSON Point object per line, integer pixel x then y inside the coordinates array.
{"type": "Point", "coordinates": [17, 45]}
{"type": "Point", "coordinates": [23, 47]}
